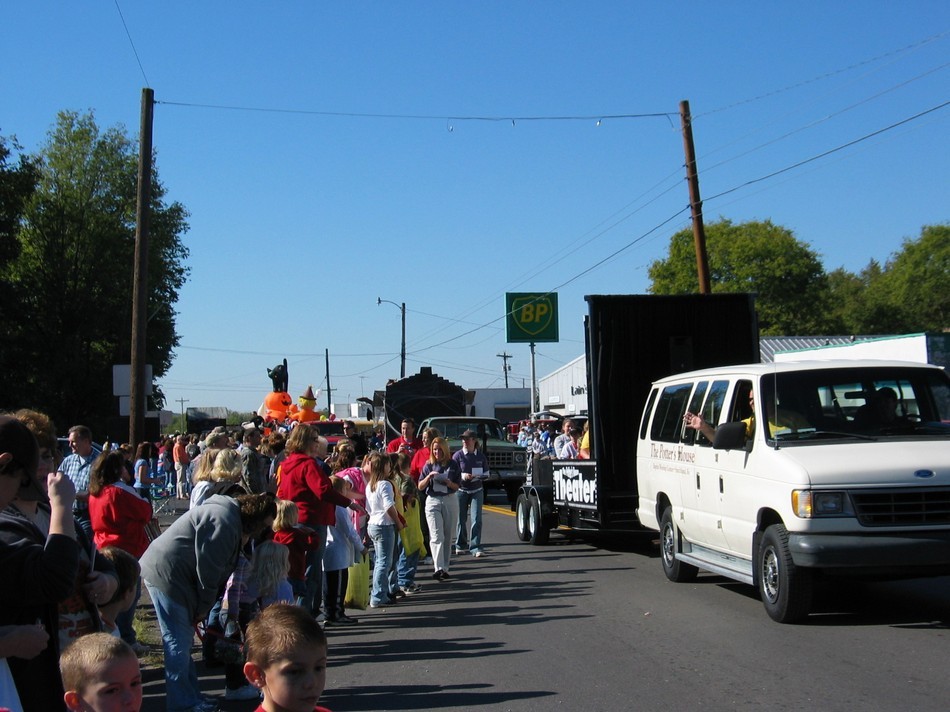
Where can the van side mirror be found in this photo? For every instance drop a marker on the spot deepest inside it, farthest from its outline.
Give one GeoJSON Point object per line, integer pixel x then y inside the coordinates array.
{"type": "Point", "coordinates": [730, 436]}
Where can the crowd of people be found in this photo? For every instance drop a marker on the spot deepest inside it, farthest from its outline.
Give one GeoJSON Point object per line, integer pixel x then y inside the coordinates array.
{"type": "Point", "coordinates": [277, 532]}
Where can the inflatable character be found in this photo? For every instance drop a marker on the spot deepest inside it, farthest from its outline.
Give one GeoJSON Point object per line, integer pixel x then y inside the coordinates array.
{"type": "Point", "coordinates": [277, 405]}
{"type": "Point", "coordinates": [306, 413]}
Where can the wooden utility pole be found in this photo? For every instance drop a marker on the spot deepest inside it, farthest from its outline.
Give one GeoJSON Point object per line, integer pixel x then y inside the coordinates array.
{"type": "Point", "coordinates": [137, 386]}
{"type": "Point", "coordinates": [504, 355]}
{"type": "Point", "coordinates": [695, 202]}
{"type": "Point", "coordinates": [326, 353]}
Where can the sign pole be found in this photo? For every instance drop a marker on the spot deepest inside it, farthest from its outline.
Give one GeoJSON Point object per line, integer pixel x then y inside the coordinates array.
{"type": "Point", "coordinates": [534, 384]}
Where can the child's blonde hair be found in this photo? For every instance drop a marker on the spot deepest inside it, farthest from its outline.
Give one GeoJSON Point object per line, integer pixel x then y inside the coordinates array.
{"type": "Point", "coordinates": [269, 566]}
{"type": "Point", "coordinates": [287, 515]}
{"type": "Point", "coordinates": [227, 466]}
{"type": "Point", "coordinates": [340, 484]}
{"type": "Point", "coordinates": [78, 662]}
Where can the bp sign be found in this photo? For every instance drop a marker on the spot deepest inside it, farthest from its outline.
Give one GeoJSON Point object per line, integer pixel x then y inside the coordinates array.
{"type": "Point", "coordinates": [531, 317]}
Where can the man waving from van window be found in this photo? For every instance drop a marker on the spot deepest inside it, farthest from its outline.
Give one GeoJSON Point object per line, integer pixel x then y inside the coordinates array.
{"type": "Point", "coordinates": [697, 422]}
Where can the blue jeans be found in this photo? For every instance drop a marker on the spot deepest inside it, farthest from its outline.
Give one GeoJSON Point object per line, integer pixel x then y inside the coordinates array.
{"type": "Point", "coordinates": [123, 621]}
{"type": "Point", "coordinates": [313, 598]}
{"type": "Point", "coordinates": [384, 539]}
{"type": "Point", "coordinates": [470, 501]}
{"type": "Point", "coordinates": [406, 568]}
{"type": "Point", "coordinates": [181, 677]}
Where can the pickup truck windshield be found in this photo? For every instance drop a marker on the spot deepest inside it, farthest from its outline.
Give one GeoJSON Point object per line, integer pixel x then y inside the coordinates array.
{"type": "Point", "coordinates": [453, 429]}
{"type": "Point", "coordinates": [858, 403]}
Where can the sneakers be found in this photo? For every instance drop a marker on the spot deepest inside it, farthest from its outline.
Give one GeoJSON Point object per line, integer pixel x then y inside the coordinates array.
{"type": "Point", "coordinates": [438, 575]}
{"type": "Point", "coordinates": [399, 593]}
{"type": "Point", "coordinates": [444, 575]}
{"type": "Point", "coordinates": [248, 692]}
{"type": "Point", "coordinates": [460, 550]}
{"type": "Point", "coordinates": [411, 588]}
{"type": "Point", "coordinates": [478, 553]}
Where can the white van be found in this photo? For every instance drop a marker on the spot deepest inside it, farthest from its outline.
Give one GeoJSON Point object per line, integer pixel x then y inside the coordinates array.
{"type": "Point", "coordinates": [851, 476]}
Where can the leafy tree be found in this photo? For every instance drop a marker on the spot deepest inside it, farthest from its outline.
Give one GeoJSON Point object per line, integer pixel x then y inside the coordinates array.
{"type": "Point", "coordinates": [786, 275]}
{"type": "Point", "coordinates": [75, 268]}
{"type": "Point", "coordinates": [916, 283]}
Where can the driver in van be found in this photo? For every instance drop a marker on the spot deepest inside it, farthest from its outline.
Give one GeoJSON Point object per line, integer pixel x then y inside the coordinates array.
{"type": "Point", "coordinates": [697, 422]}
{"type": "Point", "coordinates": [786, 421]}
{"type": "Point", "coordinates": [879, 412]}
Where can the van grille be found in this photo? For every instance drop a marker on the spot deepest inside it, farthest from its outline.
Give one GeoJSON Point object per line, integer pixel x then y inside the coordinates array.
{"type": "Point", "coordinates": [902, 507]}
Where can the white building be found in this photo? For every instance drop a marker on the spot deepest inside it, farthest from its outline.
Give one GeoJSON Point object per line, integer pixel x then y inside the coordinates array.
{"type": "Point", "coordinates": [564, 391]}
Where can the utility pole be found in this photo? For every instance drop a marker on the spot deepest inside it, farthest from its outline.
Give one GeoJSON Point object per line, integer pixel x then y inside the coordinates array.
{"type": "Point", "coordinates": [535, 406]}
{"type": "Point", "coordinates": [329, 390]}
{"type": "Point", "coordinates": [184, 425]}
{"type": "Point", "coordinates": [137, 384]}
{"type": "Point", "coordinates": [695, 202]}
{"type": "Point", "coordinates": [504, 355]}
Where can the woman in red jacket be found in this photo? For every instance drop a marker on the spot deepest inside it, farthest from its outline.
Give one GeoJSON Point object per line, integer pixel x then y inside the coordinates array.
{"type": "Point", "coordinates": [118, 517]}
{"type": "Point", "coordinates": [305, 483]}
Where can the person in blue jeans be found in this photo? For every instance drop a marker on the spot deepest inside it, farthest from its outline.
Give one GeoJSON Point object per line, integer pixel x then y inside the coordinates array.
{"type": "Point", "coordinates": [471, 494]}
{"type": "Point", "coordinates": [184, 569]}
{"type": "Point", "coordinates": [384, 522]}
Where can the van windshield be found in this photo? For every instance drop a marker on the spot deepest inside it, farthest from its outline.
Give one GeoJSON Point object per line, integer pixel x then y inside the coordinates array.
{"type": "Point", "coordinates": [857, 403]}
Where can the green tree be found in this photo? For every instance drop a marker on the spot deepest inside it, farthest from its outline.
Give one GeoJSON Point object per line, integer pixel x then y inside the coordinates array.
{"type": "Point", "coordinates": [74, 271]}
{"type": "Point", "coordinates": [916, 281]}
{"type": "Point", "coordinates": [785, 274]}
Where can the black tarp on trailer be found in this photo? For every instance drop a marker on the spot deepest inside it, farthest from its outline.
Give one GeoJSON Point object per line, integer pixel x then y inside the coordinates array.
{"type": "Point", "coordinates": [632, 340]}
{"type": "Point", "coordinates": [423, 395]}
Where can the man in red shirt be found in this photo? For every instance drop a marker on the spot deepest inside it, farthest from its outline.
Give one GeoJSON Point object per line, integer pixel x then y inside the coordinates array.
{"type": "Point", "coordinates": [407, 442]}
{"type": "Point", "coordinates": [181, 466]}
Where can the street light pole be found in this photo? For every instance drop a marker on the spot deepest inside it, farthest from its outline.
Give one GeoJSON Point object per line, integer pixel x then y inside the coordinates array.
{"type": "Point", "coordinates": [402, 352]}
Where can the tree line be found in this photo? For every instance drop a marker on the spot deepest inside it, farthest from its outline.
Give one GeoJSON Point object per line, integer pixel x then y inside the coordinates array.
{"type": "Point", "coordinates": [67, 241]}
{"type": "Point", "coordinates": [795, 296]}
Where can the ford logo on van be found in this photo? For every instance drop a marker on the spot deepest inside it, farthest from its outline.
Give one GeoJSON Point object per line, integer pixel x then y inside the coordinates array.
{"type": "Point", "coordinates": [924, 474]}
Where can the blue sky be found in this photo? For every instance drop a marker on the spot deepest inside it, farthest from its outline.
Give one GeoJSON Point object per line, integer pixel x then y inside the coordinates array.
{"type": "Point", "coordinates": [369, 170]}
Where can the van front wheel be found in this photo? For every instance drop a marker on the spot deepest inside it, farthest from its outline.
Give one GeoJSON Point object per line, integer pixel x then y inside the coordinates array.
{"type": "Point", "coordinates": [785, 588]}
{"type": "Point", "coordinates": [675, 570]}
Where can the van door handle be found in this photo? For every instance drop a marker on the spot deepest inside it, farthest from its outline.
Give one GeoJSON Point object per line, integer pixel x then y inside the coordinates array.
{"type": "Point", "coordinates": [720, 484]}
{"type": "Point", "coordinates": [697, 481]}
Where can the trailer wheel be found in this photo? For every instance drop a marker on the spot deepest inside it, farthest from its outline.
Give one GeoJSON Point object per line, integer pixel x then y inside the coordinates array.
{"type": "Point", "coordinates": [786, 589]}
{"type": "Point", "coordinates": [538, 533]}
{"type": "Point", "coordinates": [675, 570]}
{"type": "Point", "coordinates": [521, 517]}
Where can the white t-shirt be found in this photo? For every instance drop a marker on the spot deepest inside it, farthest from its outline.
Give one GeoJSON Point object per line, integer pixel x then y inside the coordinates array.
{"type": "Point", "coordinates": [379, 502]}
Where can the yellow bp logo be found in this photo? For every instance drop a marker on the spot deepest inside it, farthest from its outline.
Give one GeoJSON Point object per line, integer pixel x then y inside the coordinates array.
{"type": "Point", "coordinates": [532, 317]}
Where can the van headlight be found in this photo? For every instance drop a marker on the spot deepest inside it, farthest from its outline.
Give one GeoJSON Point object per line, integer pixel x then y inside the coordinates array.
{"type": "Point", "coordinates": [809, 504]}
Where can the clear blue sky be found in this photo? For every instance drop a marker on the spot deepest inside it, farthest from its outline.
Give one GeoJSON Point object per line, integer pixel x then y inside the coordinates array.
{"type": "Point", "coordinates": [369, 177]}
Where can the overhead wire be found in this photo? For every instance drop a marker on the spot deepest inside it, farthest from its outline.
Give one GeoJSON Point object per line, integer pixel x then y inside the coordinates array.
{"type": "Point", "coordinates": [132, 43]}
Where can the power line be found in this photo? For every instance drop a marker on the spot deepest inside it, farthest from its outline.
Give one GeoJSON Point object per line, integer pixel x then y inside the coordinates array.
{"type": "Point", "coordinates": [129, 35]}
{"type": "Point", "coordinates": [420, 117]}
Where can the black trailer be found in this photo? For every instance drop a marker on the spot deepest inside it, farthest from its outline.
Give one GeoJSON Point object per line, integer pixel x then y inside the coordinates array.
{"type": "Point", "coordinates": [631, 340]}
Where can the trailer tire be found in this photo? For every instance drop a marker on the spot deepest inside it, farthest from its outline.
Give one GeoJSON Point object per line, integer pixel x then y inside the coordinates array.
{"type": "Point", "coordinates": [786, 589]}
{"type": "Point", "coordinates": [538, 533]}
{"type": "Point", "coordinates": [521, 517]}
{"type": "Point", "coordinates": [676, 571]}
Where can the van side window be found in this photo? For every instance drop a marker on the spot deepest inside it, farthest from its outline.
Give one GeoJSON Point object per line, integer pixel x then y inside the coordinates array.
{"type": "Point", "coordinates": [646, 414]}
{"type": "Point", "coordinates": [695, 406]}
{"type": "Point", "coordinates": [712, 409]}
{"type": "Point", "coordinates": [670, 408]}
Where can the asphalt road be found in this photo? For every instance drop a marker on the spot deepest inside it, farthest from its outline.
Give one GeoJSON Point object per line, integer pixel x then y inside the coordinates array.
{"type": "Point", "coordinates": [596, 626]}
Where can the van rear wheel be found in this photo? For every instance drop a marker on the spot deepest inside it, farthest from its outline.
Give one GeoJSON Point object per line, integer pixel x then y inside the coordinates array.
{"type": "Point", "coordinates": [786, 589]}
{"type": "Point", "coordinates": [675, 570]}
{"type": "Point", "coordinates": [521, 517]}
{"type": "Point", "coordinates": [538, 533]}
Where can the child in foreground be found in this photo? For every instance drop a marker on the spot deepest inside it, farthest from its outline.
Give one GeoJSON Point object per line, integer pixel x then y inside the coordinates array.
{"type": "Point", "coordinates": [101, 674]}
{"type": "Point", "coordinates": [286, 659]}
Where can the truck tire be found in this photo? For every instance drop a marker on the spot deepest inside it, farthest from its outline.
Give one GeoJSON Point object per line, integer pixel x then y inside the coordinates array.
{"type": "Point", "coordinates": [538, 533]}
{"type": "Point", "coordinates": [521, 517]}
{"type": "Point", "coordinates": [676, 571]}
{"type": "Point", "coordinates": [786, 589]}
